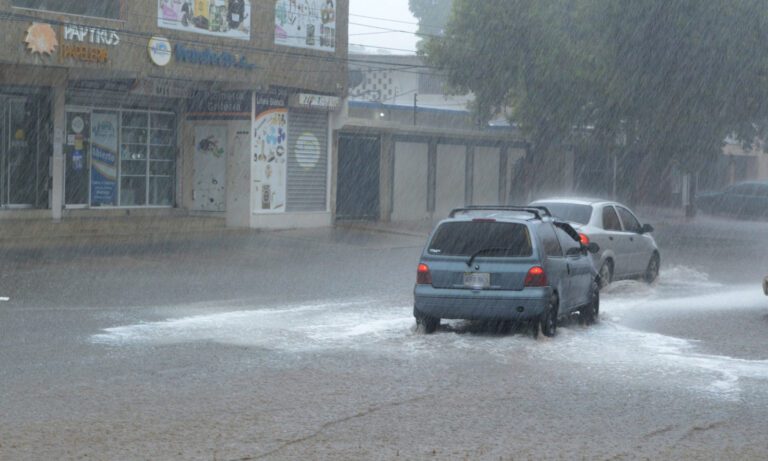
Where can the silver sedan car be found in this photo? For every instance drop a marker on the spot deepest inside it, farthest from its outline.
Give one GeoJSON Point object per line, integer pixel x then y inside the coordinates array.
{"type": "Point", "coordinates": [627, 249]}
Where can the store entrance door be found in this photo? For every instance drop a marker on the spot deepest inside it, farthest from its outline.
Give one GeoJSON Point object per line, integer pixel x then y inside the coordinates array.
{"type": "Point", "coordinates": [18, 153]}
{"type": "Point", "coordinates": [210, 164]}
{"type": "Point", "coordinates": [357, 193]}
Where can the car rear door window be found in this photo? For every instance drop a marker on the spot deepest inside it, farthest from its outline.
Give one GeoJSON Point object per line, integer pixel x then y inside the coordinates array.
{"type": "Point", "coordinates": [611, 219]}
{"type": "Point", "coordinates": [631, 224]}
{"type": "Point", "coordinates": [549, 241]}
{"type": "Point", "coordinates": [493, 239]}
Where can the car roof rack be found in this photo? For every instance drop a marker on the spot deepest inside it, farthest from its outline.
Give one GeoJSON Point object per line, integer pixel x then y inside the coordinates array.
{"type": "Point", "coordinates": [537, 211]}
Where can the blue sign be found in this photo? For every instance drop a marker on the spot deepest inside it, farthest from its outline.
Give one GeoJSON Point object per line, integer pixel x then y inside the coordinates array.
{"type": "Point", "coordinates": [208, 57]}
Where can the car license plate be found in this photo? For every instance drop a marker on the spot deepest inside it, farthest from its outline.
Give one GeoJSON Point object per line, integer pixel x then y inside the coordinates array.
{"type": "Point", "coordinates": [477, 280]}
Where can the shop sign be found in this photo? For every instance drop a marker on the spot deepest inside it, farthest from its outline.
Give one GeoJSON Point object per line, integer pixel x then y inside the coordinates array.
{"type": "Point", "coordinates": [273, 98]}
{"type": "Point", "coordinates": [160, 51]}
{"type": "Point", "coordinates": [316, 101]}
{"type": "Point", "coordinates": [164, 88]}
{"type": "Point", "coordinates": [229, 105]}
{"type": "Point", "coordinates": [116, 85]}
{"type": "Point", "coordinates": [41, 39]}
{"type": "Point", "coordinates": [208, 57]}
{"type": "Point", "coordinates": [88, 44]}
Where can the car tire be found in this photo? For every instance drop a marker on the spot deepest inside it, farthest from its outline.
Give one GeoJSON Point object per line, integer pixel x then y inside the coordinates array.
{"type": "Point", "coordinates": [548, 319]}
{"type": "Point", "coordinates": [606, 274]}
{"type": "Point", "coordinates": [591, 311]}
{"type": "Point", "coordinates": [424, 323]}
{"type": "Point", "coordinates": [652, 271]}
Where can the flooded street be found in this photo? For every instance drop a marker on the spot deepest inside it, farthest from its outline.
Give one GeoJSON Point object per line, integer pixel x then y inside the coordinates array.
{"type": "Point", "coordinates": [335, 370]}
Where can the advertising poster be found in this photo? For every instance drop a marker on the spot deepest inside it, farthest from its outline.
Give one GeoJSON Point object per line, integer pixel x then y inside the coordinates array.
{"type": "Point", "coordinates": [220, 18]}
{"type": "Point", "coordinates": [270, 160]}
{"type": "Point", "coordinates": [103, 159]}
{"type": "Point", "coordinates": [306, 24]}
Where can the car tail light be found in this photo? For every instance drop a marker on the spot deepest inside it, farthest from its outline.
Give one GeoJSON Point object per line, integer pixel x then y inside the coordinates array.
{"type": "Point", "coordinates": [584, 239]}
{"type": "Point", "coordinates": [423, 275]}
{"type": "Point", "coordinates": [536, 277]}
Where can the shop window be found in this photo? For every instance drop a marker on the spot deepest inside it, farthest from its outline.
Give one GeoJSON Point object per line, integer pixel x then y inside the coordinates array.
{"type": "Point", "coordinates": [147, 159]}
{"type": "Point", "coordinates": [101, 9]}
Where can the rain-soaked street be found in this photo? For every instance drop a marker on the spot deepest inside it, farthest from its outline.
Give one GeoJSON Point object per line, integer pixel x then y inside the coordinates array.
{"type": "Point", "coordinates": [300, 345]}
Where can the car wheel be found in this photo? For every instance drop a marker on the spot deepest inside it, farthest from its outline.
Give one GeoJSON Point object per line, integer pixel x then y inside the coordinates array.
{"type": "Point", "coordinates": [591, 311]}
{"type": "Point", "coordinates": [606, 274]}
{"type": "Point", "coordinates": [549, 318]}
{"type": "Point", "coordinates": [425, 324]}
{"type": "Point", "coordinates": [652, 271]}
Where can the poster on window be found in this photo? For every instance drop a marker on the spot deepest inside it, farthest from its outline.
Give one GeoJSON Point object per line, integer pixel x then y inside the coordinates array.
{"type": "Point", "coordinates": [104, 159]}
{"type": "Point", "coordinates": [270, 165]}
{"type": "Point", "coordinates": [306, 24]}
{"type": "Point", "coordinates": [221, 18]}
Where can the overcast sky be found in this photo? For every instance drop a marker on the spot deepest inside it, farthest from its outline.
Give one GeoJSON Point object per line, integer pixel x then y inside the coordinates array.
{"type": "Point", "coordinates": [375, 37]}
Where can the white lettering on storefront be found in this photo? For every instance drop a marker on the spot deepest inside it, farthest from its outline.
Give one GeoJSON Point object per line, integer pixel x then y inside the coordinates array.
{"type": "Point", "coordinates": [93, 35]}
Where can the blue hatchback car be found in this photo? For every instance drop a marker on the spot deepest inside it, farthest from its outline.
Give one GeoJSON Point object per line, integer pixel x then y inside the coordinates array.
{"type": "Point", "coordinates": [505, 264]}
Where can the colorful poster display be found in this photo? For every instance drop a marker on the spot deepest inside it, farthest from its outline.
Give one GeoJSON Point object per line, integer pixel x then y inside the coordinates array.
{"type": "Point", "coordinates": [104, 159]}
{"type": "Point", "coordinates": [270, 160]}
{"type": "Point", "coordinates": [306, 24]}
{"type": "Point", "coordinates": [220, 18]}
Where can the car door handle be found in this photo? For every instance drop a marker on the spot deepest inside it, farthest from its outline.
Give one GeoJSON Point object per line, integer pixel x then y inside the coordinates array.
{"type": "Point", "coordinates": [610, 238]}
{"type": "Point", "coordinates": [631, 239]}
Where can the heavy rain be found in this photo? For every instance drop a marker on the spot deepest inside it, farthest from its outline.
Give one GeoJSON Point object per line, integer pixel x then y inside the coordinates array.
{"type": "Point", "coordinates": [352, 230]}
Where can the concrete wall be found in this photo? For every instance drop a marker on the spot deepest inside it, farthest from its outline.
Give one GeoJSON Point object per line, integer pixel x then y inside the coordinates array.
{"type": "Point", "coordinates": [486, 176]}
{"type": "Point", "coordinates": [451, 178]}
{"type": "Point", "coordinates": [409, 196]}
{"type": "Point", "coordinates": [239, 174]}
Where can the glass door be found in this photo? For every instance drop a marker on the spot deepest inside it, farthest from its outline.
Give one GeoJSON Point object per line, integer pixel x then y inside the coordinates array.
{"type": "Point", "coordinates": [18, 152]}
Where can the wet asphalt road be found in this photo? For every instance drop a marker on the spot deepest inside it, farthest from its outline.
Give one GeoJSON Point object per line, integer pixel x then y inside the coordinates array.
{"type": "Point", "coordinates": [300, 345]}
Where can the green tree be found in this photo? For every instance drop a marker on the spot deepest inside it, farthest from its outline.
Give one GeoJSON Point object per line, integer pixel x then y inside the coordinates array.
{"type": "Point", "coordinates": [432, 16]}
{"type": "Point", "coordinates": [672, 77]}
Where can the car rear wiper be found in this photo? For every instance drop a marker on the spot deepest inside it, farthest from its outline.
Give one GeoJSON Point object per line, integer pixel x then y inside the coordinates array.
{"type": "Point", "coordinates": [484, 250]}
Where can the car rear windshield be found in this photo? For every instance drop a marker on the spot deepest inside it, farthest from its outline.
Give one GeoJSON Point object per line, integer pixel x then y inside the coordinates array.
{"type": "Point", "coordinates": [491, 239]}
{"type": "Point", "coordinates": [571, 212]}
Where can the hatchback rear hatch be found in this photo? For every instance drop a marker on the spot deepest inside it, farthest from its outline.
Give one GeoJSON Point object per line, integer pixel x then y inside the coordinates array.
{"type": "Point", "coordinates": [480, 254]}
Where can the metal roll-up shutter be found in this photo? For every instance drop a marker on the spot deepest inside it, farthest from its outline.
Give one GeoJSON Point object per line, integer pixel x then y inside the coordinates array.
{"type": "Point", "coordinates": [307, 161]}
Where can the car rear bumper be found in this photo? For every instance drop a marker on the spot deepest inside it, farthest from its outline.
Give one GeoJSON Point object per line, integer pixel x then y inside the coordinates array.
{"type": "Point", "coordinates": [481, 305]}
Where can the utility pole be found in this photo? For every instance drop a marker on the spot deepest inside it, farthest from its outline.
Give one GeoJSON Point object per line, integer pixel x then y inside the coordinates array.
{"type": "Point", "coordinates": [415, 107]}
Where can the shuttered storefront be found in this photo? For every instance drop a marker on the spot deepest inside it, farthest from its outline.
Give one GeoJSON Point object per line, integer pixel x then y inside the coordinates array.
{"type": "Point", "coordinates": [307, 161]}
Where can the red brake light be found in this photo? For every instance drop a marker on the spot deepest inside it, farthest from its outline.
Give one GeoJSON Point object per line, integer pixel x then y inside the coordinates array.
{"type": "Point", "coordinates": [536, 277]}
{"type": "Point", "coordinates": [584, 239]}
{"type": "Point", "coordinates": [423, 275]}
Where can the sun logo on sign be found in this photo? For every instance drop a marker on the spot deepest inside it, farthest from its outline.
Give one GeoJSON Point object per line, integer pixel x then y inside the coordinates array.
{"type": "Point", "coordinates": [41, 39]}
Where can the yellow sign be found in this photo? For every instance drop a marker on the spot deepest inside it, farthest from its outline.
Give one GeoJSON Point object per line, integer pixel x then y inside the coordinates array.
{"type": "Point", "coordinates": [85, 53]}
{"type": "Point", "coordinates": [41, 39]}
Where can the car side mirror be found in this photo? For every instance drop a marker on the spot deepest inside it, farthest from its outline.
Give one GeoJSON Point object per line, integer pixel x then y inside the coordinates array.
{"type": "Point", "coordinates": [647, 229]}
{"type": "Point", "coordinates": [765, 286]}
{"type": "Point", "coordinates": [593, 248]}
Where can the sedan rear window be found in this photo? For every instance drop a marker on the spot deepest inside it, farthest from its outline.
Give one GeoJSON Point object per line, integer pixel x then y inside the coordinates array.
{"type": "Point", "coordinates": [571, 212]}
{"type": "Point", "coordinates": [497, 239]}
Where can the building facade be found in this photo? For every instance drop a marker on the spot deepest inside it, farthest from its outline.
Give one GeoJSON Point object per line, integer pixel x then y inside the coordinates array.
{"type": "Point", "coordinates": [206, 106]}
{"type": "Point", "coordinates": [408, 152]}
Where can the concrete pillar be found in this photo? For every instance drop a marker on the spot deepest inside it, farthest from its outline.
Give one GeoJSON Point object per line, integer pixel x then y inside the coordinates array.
{"type": "Point", "coordinates": [386, 177]}
{"type": "Point", "coordinates": [58, 163]}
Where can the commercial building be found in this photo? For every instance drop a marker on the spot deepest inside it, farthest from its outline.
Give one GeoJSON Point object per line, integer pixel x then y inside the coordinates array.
{"type": "Point", "coordinates": [409, 152]}
{"type": "Point", "coordinates": [156, 106]}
